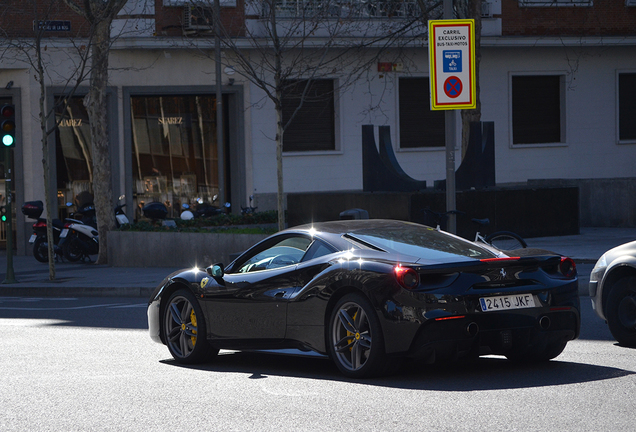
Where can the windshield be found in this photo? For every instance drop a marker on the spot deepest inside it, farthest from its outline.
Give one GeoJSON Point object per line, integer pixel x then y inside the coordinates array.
{"type": "Point", "coordinates": [422, 242]}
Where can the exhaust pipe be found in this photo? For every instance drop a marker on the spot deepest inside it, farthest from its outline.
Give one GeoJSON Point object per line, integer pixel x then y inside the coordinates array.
{"type": "Point", "coordinates": [472, 329]}
{"type": "Point", "coordinates": [544, 322]}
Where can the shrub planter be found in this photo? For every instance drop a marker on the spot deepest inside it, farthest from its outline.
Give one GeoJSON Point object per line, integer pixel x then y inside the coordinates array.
{"type": "Point", "coordinates": [175, 249]}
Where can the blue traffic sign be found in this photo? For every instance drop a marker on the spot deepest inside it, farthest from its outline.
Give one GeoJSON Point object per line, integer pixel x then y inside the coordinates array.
{"type": "Point", "coordinates": [452, 61]}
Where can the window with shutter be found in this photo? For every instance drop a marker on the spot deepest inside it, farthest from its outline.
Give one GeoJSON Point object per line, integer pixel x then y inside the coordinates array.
{"type": "Point", "coordinates": [536, 109]}
{"type": "Point", "coordinates": [626, 106]}
{"type": "Point", "coordinates": [313, 126]}
{"type": "Point", "coordinates": [419, 125]}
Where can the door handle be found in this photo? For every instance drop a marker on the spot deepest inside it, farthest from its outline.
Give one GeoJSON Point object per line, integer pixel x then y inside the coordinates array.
{"type": "Point", "coordinates": [280, 294]}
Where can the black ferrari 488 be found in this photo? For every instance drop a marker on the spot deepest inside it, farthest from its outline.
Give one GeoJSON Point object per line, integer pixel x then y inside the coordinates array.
{"type": "Point", "coordinates": [369, 293]}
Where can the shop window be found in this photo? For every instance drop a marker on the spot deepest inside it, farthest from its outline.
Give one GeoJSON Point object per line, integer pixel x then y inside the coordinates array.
{"type": "Point", "coordinates": [537, 109]}
{"type": "Point", "coordinates": [419, 125]}
{"type": "Point", "coordinates": [626, 106]}
{"type": "Point", "coordinates": [174, 151]}
{"type": "Point", "coordinates": [555, 3]}
{"type": "Point", "coordinates": [73, 151]}
{"type": "Point", "coordinates": [313, 125]}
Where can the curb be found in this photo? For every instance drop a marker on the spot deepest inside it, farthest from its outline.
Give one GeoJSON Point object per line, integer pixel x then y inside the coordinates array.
{"type": "Point", "coordinates": [54, 291]}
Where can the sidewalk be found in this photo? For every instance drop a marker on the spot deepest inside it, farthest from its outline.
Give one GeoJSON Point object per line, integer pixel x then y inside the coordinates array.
{"type": "Point", "coordinates": [77, 279]}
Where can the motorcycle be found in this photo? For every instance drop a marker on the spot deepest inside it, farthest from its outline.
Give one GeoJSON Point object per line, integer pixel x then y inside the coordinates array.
{"type": "Point", "coordinates": [33, 210]}
{"type": "Point", "coordinates": [81, 236]}
{"type": "Point", "coordinates": [204, 209]}
{"type": "Point", "coordinates": [81, 240]}
{"type": "Point", "coordinates": [120, 216]}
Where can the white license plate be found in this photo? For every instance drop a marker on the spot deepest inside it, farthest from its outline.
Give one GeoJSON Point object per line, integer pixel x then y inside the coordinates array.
{"type": "Point", "coordinates": [64, 233]}
{"type": "Point", "coordinates": [516, 301]}
{"type": "Point", "coordinates": [32, 238]}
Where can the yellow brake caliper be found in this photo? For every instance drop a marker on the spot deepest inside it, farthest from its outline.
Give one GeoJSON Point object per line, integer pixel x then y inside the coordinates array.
{"type": "Point", "coordinates": [193, 318]}
{"type": "Point", "coordinates": [349, 341]}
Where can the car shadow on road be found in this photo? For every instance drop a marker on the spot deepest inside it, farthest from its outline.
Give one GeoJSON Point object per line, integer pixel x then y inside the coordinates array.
{"type": "Point", "coordinates": [488, 373]}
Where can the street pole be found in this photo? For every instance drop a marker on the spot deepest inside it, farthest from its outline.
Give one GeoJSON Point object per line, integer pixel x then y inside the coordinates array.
{"type": "Point", "coordinates": [10, 277]}
{"type": "Point", "coordinates": [450, 138]}
{"type": "Point", "coordinates": [219, 103]}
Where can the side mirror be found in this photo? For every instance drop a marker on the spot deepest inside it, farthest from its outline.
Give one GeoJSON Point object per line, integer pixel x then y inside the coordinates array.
{"type": "Point", "coordinates": [216, 270]}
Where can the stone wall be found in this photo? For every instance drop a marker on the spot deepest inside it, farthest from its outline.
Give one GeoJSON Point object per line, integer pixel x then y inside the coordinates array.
{"type": "Point", "coordinates": [175, 249]}
{"type": "Point", "coordinates": [528, 211]}
{"type": "Point", "coordinates": [607, 203]}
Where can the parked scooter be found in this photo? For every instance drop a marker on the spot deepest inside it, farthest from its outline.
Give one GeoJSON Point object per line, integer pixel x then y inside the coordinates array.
{"type": "Point", "coordinates": [203, 209]}
{"type": "Point", "coordinates": [81, 235]}
{"type": "Point", "coordinates": [251, 209]}
{"type": "Point", "coordinates": [81, 240]}
{"type": "Point", "coordinates": [33, 210]}
{"type": "Point", "coordinates": [120, 215]}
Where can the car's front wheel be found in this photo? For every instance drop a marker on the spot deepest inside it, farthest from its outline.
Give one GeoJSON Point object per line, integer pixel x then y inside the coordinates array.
{"type": "Point", "coordinates": [621, 311]}
{"type": "Point", "coordinates": [184, 329]}
{"type": "Point", "coordinates": [356, 343]}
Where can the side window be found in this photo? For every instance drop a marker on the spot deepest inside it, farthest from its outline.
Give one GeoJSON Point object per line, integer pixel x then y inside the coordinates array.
{"type": "Point", "coordinates": [287, 251]}
{"type": "Point", "coordinates": [318, 249]}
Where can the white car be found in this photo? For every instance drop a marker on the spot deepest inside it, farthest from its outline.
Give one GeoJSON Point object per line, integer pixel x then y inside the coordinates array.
{"type": "Point", "coordinates": [613, 291]}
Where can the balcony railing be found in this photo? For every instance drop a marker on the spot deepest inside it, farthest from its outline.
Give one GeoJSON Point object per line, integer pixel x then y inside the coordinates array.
{"type": "Point", "coordinates": [346, 9]}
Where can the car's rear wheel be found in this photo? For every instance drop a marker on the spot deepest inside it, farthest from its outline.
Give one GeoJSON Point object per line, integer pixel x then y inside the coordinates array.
{"type": "Point", "coordinates": [356, 343]}
{"type": "Point", "coordinates": [621, 311]}
{"type": "Point", "coordinates": [537, 354]}
{"type": "Point", "coordinates": [550, 351]}
{"type": "Point", "coordinates": [184, 329]}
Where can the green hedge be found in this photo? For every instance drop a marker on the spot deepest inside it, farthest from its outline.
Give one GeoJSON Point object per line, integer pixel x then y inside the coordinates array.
{"type": "Point", "coordinates": [230, 223]}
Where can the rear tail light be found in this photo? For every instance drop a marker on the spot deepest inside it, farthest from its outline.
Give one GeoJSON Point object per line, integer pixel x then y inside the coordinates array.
{"type": "Point", "coordinates": [39, 225]}
{"type": "Point", "coordinates": [567, 267]}
{"type": "Point", "coordinates": [500, 259]}
{"type": "Point", "coordinates": [406, 277]}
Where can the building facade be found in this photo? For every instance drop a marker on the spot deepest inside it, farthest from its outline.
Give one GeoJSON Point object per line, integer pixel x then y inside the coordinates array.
{"type": "Point", "coordinates": [557, 78]}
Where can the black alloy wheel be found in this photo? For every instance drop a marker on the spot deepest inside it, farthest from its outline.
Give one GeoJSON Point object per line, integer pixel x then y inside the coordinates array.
{"type": "Point", "coordinates": [356, 343]}
{"type": "Point", "coordinates": [184, 329]}
{"type": "Point", "coordinates": [621, 311]}
{"type": "Point", "coordinates": [536, 354]}
{"type": "Point", "coordinates": [40, 250]}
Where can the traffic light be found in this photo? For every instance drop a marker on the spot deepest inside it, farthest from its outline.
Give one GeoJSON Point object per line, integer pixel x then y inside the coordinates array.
{"type": "Point", "coordinates": [7, 127]}
{"type": "Point", "coordinates": [3, 213]}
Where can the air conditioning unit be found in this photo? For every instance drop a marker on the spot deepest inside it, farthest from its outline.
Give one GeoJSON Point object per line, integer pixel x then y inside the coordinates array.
{"type": "Point", "coordinates": [198, 18]}
{"type": "Point", "coordinates": [486, 9]}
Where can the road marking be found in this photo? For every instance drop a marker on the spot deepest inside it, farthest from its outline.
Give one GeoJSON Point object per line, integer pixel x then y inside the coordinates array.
{"type": "Point", "coordinates": [110, 306]}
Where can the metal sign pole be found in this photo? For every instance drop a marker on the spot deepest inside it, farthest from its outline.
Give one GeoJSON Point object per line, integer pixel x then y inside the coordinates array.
{"type": "Point", "coordinates": [220, 143]}
{"type": "Point", "coordinates": [450, 171]}
{"type": "Point", "coordinates": [10, 277]}
{"type": "Point", "coordinates": [450, 148]}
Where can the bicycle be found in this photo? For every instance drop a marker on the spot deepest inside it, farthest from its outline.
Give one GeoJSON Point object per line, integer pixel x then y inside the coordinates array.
{"type": "Point", "coordinates": [502, 240]}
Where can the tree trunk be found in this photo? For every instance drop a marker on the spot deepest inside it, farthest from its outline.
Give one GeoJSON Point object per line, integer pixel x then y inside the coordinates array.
{"type": "Point", "coordinates": [279, 166]}
{"type": "Point", "coordinates": [45, 159]}
{"type": "Point", "coordinates": [96, 104]}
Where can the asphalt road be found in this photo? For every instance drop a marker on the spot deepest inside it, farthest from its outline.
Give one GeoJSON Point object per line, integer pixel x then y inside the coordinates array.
{"type": "Point", "coordinates": [88, 364]}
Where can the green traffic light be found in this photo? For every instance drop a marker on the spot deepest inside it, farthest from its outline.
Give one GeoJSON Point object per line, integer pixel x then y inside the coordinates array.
{"type": "Point", "coordinates": [4, 218]}
{"type": "Point", "coordinates": [7, 140]}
